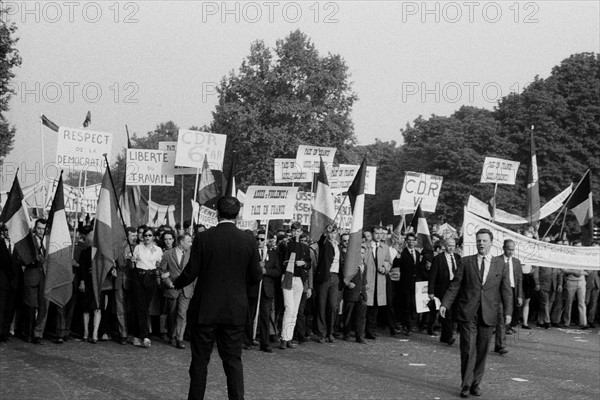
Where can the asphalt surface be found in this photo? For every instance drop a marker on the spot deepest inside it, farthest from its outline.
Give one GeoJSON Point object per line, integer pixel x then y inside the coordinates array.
{"type": "Point", "coordinates": [541, 364]}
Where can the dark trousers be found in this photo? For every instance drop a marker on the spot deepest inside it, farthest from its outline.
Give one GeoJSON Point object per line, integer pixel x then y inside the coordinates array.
{"type": "Point", "coordinates": [143, 286]}
{"type": "Point", "coordinates": [355, 315]}
{"type": "Point", "coordinates": [64, 316]}
{"type": "Point", "coordinates": [391, 300]}
{"type": "Point", "coordinates": [8, 302]}
{"type": "Point", "coordinates": [447, 326]}
{"type": "Point", "coordinates": [428, 318]}
{"type": "Point", "coordinates": [500, 341]}
{"type": "Point", "coordinates": [474, 342]}
{"type": "Point", "coordinates": [300, 328]}
{"type": "Point", "coordinates": [407, 307]}
{"type": "Point", "coordinates": [252, 303]}
{"type": "Point", "coordinates": [264, 319]}
{"type": "Point", "coordinates": [327, 299]}
{"type": "Point", "coordinates": [229, 343]}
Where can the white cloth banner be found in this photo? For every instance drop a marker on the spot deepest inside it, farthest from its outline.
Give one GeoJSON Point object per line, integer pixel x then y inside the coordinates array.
{"type": "Point", "coordinates": [480, 208]}
{"type": "Point", "coordinates": [159, 214]}
{"type": "Point", "coordinates": [497, 170]}
{"type": "Point", "coordinates": [418, 187]}
{"type": "Point", "coordinates": [269, 202]}
{"type": "Point", "coordinates": [309, 157]}
{"type": "Point", "coordinates": [528, 250]}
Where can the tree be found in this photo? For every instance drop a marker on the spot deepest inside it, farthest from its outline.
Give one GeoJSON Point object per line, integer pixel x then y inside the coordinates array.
{"type": "Point", "coordinates": [10, 59]}
{"type": "Point", "coordinates": [280, 99]}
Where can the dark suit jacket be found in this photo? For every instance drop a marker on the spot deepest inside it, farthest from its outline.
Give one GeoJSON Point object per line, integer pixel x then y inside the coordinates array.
{"type": "Point", "coordinates": [467, 289]}
{"type": "Point", "coordinates": [169, 265]}
{"type": "Point", "coordinates": [224, 259]}
{"type": "Point", "coordinates": [360, 288]}
{"type": "Point", "coordinates": [34, 272]}
{"type": "Point", "coordinates": [9, 267]}
{"type": "Point", "coordinates": [549, 279]}
{"type": "Point", "coordinates": [326, 255]}
{"type": "Point", "coordinates": [302, 253]}
{"type": "Point", "coordinates": [273, 272]}
{"type": "Point", "coordinates": [439, 277]}
{"type": "Point", "coordinates": [517, 276]}
{"type": "Point", "coordinates": [408, 268]}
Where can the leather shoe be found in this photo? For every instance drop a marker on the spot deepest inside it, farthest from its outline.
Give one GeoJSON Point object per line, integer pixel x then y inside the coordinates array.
{"type": "Point", "coordinates": [370, 336]}
{"type": "Point", "coordinates": [346, 338]}
{"type": "Point", "coordinates": [330, 339]}
{"type": "Point", "coordinates": [282, 345]}
{"type": "Point", "coordinates": [361, 341]}
{"type": "Point", "coordinates": [475, 391]}
{"type": "Point", "coordinates": [501, 351]}
{"type": "Point", "coordinates": [37, 340]}
{"type": "Point", "coordinates": [464, 393]}
{"type": "Point", "coordinates": [432, 333]}
{"type": "Point", "coordinates": [290, 345]}
{"type": "Point", "coordinates": [59, 341]}
{"type": "Point", "coordinates": [319, 339]}
{"type": "Point", "coordinates": [525, 326]}
{"type": "Point", "coordinates": [123, 341]}
{"type": "Point", "coordinates": [266, 349]}
{"type": "Point", "coordinates": [180, 345]}
{"type": "Point", "coordinates": [451, 341]}
{"type": "Point", "coordinates": [395, 332]}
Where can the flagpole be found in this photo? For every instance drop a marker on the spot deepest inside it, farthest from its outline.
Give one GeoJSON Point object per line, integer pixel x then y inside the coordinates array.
{"type": "Point", "coordinates": [49, 214]}
{"type": "Point", "coordinates": [340, 209]}
{"type": "Point", "coordinates": [76, 214]}
{"type": "Point", "coordinates": [181, 213]}
{"type": "Point", "coordinates": [112, 183]}
{"type": "Point", "coordinates": [43, 161]}
{"type": "Point", "coordinates": [565, 205]}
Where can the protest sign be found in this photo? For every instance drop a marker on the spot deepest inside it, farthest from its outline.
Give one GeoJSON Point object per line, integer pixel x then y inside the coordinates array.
{"type": "Point", "coordinates": [422, 297]}
{"type": "Point", "coordinates": [150, 167]}
{"type": "Point", "coordinates": [81, 149]}
{"type": "Point", "coordinates": [497, 170]}
{"type": "Point", "coordinates": [77, 199]}
{"type": "Point", "coordinates": [207, 217]}
{"type": "Point", "coordinates": [192, 146]}
{"type": "Point", "coordinates": [399, 210]}
{"type": "Point", "coordinates": [423, 188]}
{"type": "Point", "coordinates": [340, 178]}
{"type": "Point", "coordinates": [309, 157]}
{"type": "Point", "coordinates": [287, 170]}
{"type": "Point", "coordinates": [269, 202]}
{"type": "Point", "coordinates": [529, 250]}
{"type": "Point", "coordinates": [172, 146]}
{"type": "Point", "coordinates": [344, 218]}
{"type": "Point", "coordinates": [303, 207]}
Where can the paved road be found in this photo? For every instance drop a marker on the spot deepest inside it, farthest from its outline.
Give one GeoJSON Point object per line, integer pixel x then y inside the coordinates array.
{"type": "Point", "coordinates": [555, 364]}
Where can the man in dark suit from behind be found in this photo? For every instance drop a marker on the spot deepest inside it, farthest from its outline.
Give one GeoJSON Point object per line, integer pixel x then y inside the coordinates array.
{"type": "Point", "coordinates": [442, 272]}
{"type": "Point", "coordinates": [9, 282]}
{"type": "Point", "coordinates": [225, 261]}
{"type": "Point", "coordinates": [479, 285]}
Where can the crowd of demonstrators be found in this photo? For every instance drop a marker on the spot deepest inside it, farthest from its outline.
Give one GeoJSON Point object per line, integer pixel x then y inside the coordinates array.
{"type": "Point", "coordinates": [302, 295]}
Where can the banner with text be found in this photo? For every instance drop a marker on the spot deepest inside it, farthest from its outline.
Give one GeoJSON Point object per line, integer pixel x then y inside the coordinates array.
{"type": "Point", "coordinates": [419, 187]}
{"type": "Point", "coordinates": [308, 157]}
{"type": "Point", "coordinates": [340, 178]}
{"type": "Point", "coordinates": [150, 167]}
{"type": "Point", "coordinates": [81, 149]}
{"type": "Point", "coordinates": [269, 202]}
{"type": "Point", "coordinates": [192, 146]}
{"type": "Point", "coordinates": [305, 202]}
{"type": "Point", "coordinates": [207, 217]}
{"type": "Point", "coordinates": [528, 250]}
{"type": "Point", "coordinates": [172, 146]}
{"type": "Point", "coordinates": [497, 170]}
{"type": "Point", "coordinates": [481, 208]}
{"type": "Point", "coordinates": [77, 199]}
{"type": "Point", "coordinates": [422, 297]}
{"type": "Point", "coordinates": [287, 170]}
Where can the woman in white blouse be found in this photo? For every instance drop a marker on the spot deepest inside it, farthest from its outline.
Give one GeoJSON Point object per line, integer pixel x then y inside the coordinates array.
{"type": "Point", "coordinates": [146, 257]}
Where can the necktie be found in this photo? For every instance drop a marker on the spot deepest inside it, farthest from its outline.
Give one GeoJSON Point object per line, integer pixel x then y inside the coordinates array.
{"type": "Point", "coordinates": [453, 264]}
{"type": "Point", "coordinates": [414, 256]}
{"type": "Point", "coordinates": [481, 268]}
{"type": "Point", "coordinates": [262, 254]}
{"type": "Point", "coordinates": [376, 247]}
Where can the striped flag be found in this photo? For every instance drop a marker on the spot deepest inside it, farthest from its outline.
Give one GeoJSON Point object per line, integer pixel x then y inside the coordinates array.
{"type": "Point", "coordinates": [323, 211]}
{"type": "Point", "coordinates": [356, 195]}
{"type": "Point", "coordinates": [109, 237]}
{"type": "Point", "coordinates": [207, 188]}
{"type": "Point", "coordinates": [88, 119]}
{"type": "Point", "coordinates": [49, 124]}
{"type": "Point", "coordinates": [533, 187]}
{"type": "Point", "coordinates": [15, 216]}
{"type": "Point", "coordinates": [581, 204]}
{"type": "Point", "coordinates": [131, 200]}
{"type": "Point", "coordinates": [59, 272]}
{"type": "Point", "coordinates": [420, 228]}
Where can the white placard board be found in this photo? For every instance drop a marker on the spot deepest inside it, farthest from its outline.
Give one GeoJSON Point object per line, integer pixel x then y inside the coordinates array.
{"type": "Point", "coordinates": [192, 146]}
{"type": "Point", "coordinates": [287, 170]}
{"type": "Point", "coordinates": [269, 202]}
{"type": "Point", "coordinates": [150, 167]}
{"type": "Point", "coordinates": [497, 170]}
{"type": "Point", "coordinates": [172, 146]}
{"type": "Point", "coordinates": [340, 178]}
{"type": "Point", "coordinates": [81, 149]}
{"type": "Point", "coordinates": [419, 187]}
{"type": "Point", "coordinates": [308, 157]}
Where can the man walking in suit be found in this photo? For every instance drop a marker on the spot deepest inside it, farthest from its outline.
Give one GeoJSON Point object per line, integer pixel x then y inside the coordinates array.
{"type": "Point", "coordinates": [225, 260]}
{"type": "Point", "coordinates": [516, 284]}
{"type": "Point", "coordinates": [177, 301]}
{"type": "Point", "coordinates": [443, 269]}
{"type": "Point", "coordinates": [9, 282]}
{"type": "Point", "coordinates": [34, 278]}
{"type": "Point", "coordinates": [480, 283]}
{"type": "Point", "coordinates": [409, 259]}
{"type": "Point", "coordinates": [378, 264]}
{"type": "Point", "coordinates": [269, 262]}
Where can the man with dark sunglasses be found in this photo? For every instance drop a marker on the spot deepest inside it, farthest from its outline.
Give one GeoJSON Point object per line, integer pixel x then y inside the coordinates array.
{"type": "Point", "coordinates": [269, 262]}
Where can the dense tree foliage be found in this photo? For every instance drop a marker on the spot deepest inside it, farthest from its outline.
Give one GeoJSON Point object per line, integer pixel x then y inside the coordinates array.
{"type": "Point", "coordinates": [10, 59]}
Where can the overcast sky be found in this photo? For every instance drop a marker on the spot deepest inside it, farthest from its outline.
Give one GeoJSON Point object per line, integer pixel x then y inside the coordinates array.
{"type": "Point", "coordinates": [143, 63]}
